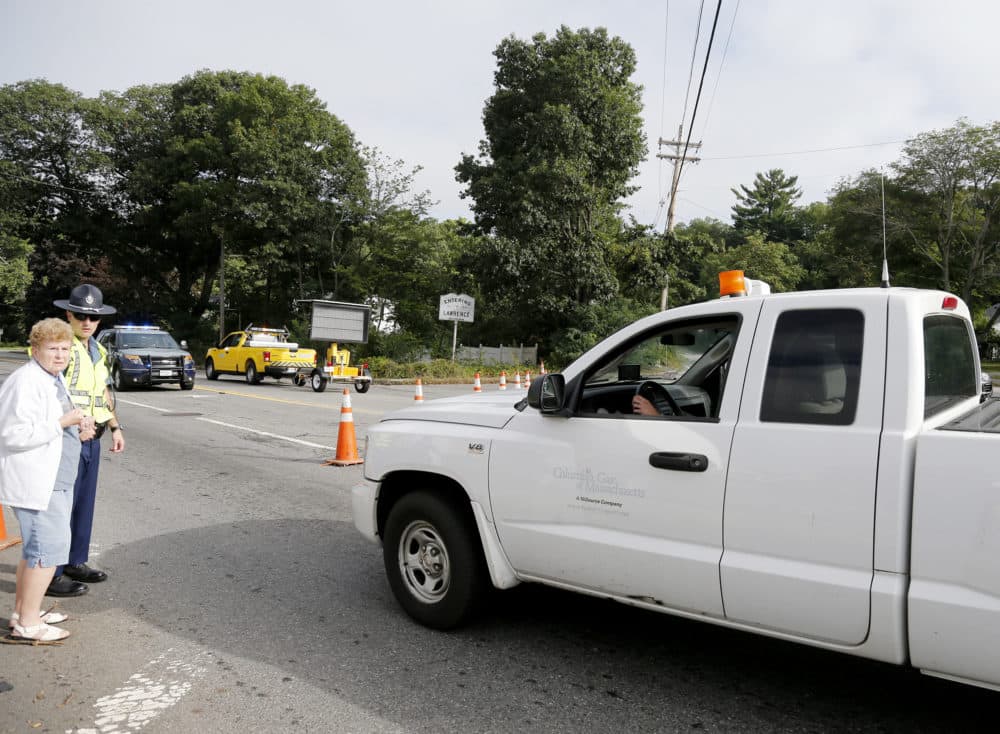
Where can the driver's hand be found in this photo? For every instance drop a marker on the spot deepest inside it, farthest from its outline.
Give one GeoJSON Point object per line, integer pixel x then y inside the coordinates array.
{"type": "Point", "coordinates": [642, 406]}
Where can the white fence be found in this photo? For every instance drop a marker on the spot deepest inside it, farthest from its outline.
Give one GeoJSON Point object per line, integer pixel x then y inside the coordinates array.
{"type": "Point", "coordinates": [498, 355]}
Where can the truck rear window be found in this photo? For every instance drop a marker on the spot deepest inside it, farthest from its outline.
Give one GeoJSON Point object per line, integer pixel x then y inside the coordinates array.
{"type": "Point", "coordinates": [950, 374]}
{"type": "Point", "coordinates": [813, 370]}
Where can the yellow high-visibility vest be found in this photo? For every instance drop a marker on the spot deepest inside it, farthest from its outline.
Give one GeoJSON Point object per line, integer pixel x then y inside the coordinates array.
{"type": "Point", "coordinates": [88, 381]}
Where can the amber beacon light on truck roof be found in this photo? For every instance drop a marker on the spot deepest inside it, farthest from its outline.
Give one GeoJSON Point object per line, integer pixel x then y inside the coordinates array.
{"type": "Point", "coordinates": [732, 283]}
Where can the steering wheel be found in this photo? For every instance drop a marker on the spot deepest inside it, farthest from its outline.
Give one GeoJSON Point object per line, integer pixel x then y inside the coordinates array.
{"type": "Point", "coordinates": [658, 395]}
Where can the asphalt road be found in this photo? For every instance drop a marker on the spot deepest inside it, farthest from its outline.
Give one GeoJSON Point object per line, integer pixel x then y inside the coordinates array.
{"type": "Point", "coordinates": [241, 598]}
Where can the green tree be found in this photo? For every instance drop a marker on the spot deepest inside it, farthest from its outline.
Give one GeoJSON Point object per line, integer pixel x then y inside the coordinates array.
{"type": "Point", "coordinates": [224, 162]}
{"type": "Point", "coordinates": [847, 250]}
{"type": "Point", "coordinates": [689, 250]}
{"type": "Point", "coordinates": [952, 214]}
{"type": "Point", "coordinates": [563, 140]}
{"type": "Point", "coordinates": [355, 223]}
{"type": "Point", "coordinates": [773, 262]}
{"type": "Point", "coordinates": [413, 263]}
{"type": "Point", "coordinates": [769, 207]}
{"type": "Point", "coordinates": [51, 206]}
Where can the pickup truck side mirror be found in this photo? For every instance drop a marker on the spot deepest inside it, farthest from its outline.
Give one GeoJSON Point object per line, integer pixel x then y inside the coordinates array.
{"type": "Point", "coordinates": [184, 344]}
{"type": "Point", "coordinates": [986, 383]}
{"type": "Point", "coordinates": [547, 393]}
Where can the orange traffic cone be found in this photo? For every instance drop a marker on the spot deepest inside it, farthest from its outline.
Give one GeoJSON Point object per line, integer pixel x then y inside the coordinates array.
{"type": "Point", "coordinates": [6, 542]}
{"type": "Point", "coordinates": [517, 380]}
{"type": "Point", "coordinates": [419, 394]}
{"type": "Point", "coordinates": [541, 369]}
{"type": "Point", "coordinates": [527, 379]}
{"type": "Point", "coordinates": [477, 386]}
{"type": "Point", "coordinates": [347, 445]}
{"type": "Point", "coordinates": [503, 380]}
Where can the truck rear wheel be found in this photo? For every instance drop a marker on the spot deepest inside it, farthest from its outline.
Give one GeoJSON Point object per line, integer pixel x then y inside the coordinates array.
{"type": "Point", "coordinates": [251, 373]}
{"type": "Point", "coordinates": [433, 561]}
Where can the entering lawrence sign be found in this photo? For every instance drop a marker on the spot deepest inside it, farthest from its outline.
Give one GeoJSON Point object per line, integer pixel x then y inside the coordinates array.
{"type": "Point", "coordinates": [457, 307]}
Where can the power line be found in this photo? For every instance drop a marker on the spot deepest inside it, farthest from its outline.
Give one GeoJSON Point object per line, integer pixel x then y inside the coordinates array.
{"type": "Point", "coordinates": [722, 64]}
{"type": "Point", "coordinates": [679, 169]}
{"type": "Point", "coordinates": [694, 53]}
{"type": "Point", "coordinates": [704, 69]}
{"type": "Point", "coordinates": [803, 152]}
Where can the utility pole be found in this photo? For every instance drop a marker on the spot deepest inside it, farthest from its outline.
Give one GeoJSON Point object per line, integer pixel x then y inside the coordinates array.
{"type": "Point", "coordinates": [676, 157]}
{"type": "Point", "coordinates": [222, 288]}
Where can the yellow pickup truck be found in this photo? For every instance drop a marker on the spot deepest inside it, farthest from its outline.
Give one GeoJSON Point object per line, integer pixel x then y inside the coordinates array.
{"type": "Point", "coordinates": [256, 352]}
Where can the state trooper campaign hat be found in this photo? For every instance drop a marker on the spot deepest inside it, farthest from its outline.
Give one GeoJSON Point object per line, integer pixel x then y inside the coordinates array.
{"type": "Point", "coordinates": [86, 299]}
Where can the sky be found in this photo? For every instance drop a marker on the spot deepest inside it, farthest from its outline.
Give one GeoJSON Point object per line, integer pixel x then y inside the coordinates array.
{"type": "Point", "coordinates": [854, 78]}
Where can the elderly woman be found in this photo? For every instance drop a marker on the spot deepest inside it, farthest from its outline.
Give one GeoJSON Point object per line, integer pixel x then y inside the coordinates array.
{"type": "Point", "coordinates": [39, 453]}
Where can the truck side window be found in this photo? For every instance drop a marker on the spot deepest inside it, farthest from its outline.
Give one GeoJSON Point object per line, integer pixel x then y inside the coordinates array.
{"type": "Point", "coordinates": [685, 361]}
{"type": "Point", "coordinates": [950, 373]}
{"type": "Point", "coordinates": [814, 368]}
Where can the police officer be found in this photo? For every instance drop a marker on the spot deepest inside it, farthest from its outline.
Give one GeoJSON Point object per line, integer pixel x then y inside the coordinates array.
{"type": "Point", "coordinates": [87, 378]}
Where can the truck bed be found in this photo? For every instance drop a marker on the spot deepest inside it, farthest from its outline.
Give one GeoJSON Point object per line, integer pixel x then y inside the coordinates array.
{"type": "Point", "coordinates": [985, 418]}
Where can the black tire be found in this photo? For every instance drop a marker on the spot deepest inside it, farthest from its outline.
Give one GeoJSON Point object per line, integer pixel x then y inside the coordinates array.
{"type": "Point", "coordinates": [433, 560]}
{"type": "Point", "coordinates": [362, 385]}
{"type": "Point", "coordinates": [299, 380]}
{"type": "Point", "coordinates": [253, 377]}
{"type": "Point", "coordinates": [317, 382]}
{"type": "Point", "coordinates": [210, 372]}
{"type": "Point", "coordinates": [187, 385]}
{"type": "Point", "coordinates": [116, 379]}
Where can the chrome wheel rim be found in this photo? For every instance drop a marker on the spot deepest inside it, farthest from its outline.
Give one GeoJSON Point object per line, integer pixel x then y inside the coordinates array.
{"type": "Point", "coordinates": [423, 562]}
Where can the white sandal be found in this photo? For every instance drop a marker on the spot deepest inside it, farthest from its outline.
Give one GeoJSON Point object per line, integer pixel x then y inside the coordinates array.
{"type": "Point", "coordinates": [38, 633]}
{"type": "Point", "coordinates": [49, 617]}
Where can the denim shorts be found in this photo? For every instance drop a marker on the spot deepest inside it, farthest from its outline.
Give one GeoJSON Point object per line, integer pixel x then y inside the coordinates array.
{"type": "Point", "coordinates": [45, 534]}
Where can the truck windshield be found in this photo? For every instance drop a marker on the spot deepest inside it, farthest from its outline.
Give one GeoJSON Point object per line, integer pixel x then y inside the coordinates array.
{"type": "Point", "coordinates": [669, 356]}
{"type": "Point", "coordinates": [950, 371]}
{"type": "Point", "coordinates": [145, 340]}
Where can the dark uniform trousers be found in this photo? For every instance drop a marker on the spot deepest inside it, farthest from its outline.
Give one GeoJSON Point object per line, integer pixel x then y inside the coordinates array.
{"type": "Point", "coordinates": [84, 499]}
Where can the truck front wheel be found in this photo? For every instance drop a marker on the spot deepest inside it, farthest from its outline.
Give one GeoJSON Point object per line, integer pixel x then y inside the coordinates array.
{"type": "Point", "coordinates": [433, 561]}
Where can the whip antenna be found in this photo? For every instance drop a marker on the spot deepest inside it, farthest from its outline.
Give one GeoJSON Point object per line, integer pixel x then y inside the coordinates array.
{"type": "Point", "coordinates": [885, 257]}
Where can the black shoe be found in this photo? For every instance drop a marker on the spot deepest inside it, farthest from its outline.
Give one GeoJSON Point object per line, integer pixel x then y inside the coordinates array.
{"type": "Point", "coordinates": [83, 572]}
{"type": "Point", "coordinates": [62, 586]}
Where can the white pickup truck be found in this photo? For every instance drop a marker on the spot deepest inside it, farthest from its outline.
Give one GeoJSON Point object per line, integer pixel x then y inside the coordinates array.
{"type": "Point", "coordinates": [823, 470]}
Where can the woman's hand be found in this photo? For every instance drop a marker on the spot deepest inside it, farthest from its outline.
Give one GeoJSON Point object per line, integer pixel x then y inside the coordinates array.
{"type": "Point", "coordinates": [88, 428]}
{"type": "Point", "coordinates": [642, 406]}
{"type": "Point", "coordinates": [73, 418]}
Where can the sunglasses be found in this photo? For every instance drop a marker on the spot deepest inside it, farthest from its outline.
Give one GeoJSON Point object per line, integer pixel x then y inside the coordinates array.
{"type": "Point", "coordinates": [82, 317]}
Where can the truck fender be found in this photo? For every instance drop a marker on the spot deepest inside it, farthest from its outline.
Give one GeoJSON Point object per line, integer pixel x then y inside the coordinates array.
{"type": "Point", "coordinates": [501, 572]}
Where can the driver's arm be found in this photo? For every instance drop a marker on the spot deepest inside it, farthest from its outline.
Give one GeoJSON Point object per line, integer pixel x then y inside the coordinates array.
{"type": "Point", "coordinates": [642, 406]}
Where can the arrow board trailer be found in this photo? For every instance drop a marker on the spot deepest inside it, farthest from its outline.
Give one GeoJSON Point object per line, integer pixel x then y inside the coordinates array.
{"type": "Point", "coordinates": [336, 323]}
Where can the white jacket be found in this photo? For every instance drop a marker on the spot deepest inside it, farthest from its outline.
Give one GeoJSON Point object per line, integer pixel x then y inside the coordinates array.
{"type": "Point", "coordinates": [30, 437]}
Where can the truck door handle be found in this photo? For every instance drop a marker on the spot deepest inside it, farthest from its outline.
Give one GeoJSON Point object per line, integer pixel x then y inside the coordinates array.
{"type": "Point", "coordinates": [678, 461]}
